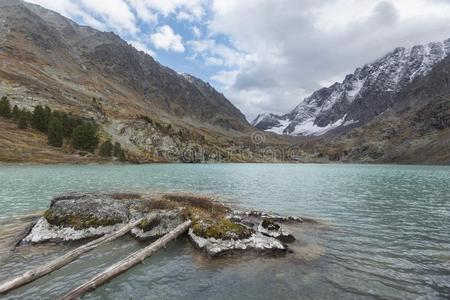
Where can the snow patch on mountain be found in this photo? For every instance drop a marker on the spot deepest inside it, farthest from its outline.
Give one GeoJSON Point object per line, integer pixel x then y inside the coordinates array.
{"type": "Point", "coordinates": [362, 95]}
{"type": "Point", "coordinates": [280, 128]}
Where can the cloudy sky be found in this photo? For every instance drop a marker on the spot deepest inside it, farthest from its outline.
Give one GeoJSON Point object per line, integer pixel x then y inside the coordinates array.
{"type": "Point", "coordinates": [264, 55]}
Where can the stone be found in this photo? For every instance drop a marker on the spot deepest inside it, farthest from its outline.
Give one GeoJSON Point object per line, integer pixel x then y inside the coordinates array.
{"type": "Point", "coordinates": [256, 243]}
{"type": "Point", "coordinates": [158, 224]}
{"type": "Point", "coordinates": [82, 211]}
{"type": "Point", "coordinates": [43, 231]}
{"type": "Point", "coordinates": [270, 228]}
{"type": "Point", "coordinates": [75, 216]}
{"type": "Point", "coordinates": [251, 216]}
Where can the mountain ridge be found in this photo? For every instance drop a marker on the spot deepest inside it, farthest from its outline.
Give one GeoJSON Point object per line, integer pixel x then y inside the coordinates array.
{"type": "Point", "coordinates": [87, 51]}
{"type": "Point", "coordinates": [361, 96]}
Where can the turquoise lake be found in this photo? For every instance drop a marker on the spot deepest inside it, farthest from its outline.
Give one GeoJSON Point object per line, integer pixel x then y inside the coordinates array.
{"type": "Point", "coordinates": [385, 232]}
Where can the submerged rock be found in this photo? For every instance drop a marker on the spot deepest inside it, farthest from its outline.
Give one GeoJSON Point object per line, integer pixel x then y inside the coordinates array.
{"type": "Point", "coordinates": [157, 224]}
{"type": "Point", "coordinates": [270, 228]}
{"type": "Point", "coordinates": [258, 215]}
{"type": "Point", "coordinates": [255, 243]}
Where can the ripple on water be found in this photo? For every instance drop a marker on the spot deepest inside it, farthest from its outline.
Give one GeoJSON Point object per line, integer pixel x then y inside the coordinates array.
{"type": "Point", "coordinates": [385, 232]}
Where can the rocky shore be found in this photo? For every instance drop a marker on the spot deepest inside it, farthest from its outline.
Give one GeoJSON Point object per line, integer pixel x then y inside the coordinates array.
{"type": "Point", "coordinates": [216, 229]}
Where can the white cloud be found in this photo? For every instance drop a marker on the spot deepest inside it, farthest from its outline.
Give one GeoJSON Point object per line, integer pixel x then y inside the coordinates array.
{"type": "Point", "coordinates": [294, 46]}
{"type": "Point", "coordinates": [116, 13]}
{"type": "Point", "coordinates": [270, 54]}
{"type": "Point", "coordinates": [217, 54]}
{"type": "Point", "coordinates": [101, 14]}
{"type": "Point", "coordinates": [226, 78]}
{"type": "Point", "coordinates": [143, 11]}
{"type": "Point", "coordinates": [196, 32]}
{"type": "Point", "coordinates": [165, 38]}
{"type": "Point", "coordinates": [142, 47]}
{"type": "Point", "coordinates": [184, 9]}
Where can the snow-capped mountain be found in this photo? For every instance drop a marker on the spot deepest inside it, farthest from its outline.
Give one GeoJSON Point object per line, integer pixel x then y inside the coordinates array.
{"type": "Point", "coordinates": [366, 93]}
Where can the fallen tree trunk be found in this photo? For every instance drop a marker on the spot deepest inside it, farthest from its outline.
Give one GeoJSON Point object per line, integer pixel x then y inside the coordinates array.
{"type": "Point", "coordinates": [64, 260]}
{"type": "Point", "coordinates": [126, 264]}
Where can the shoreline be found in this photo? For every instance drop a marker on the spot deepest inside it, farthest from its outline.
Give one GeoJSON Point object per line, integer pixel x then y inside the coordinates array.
{"type": "Point", "coordinates": [113, 163]}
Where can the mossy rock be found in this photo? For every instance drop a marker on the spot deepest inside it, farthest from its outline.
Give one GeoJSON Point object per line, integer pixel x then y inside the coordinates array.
{"type": "Point", "coordinates": [78, 222]}
{"type": "Point", "coordinates": [223, 229]}
{"type": "Point", "coordinates": [269, 225]}
{"type": "Point", "coordinates": [147, 225]}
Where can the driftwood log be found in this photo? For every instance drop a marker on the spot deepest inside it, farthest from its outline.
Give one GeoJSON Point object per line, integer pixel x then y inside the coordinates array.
{"type": "Point", "coordinates": [61, 261]}
{"type": "Point", "coordinates": [126, 264]}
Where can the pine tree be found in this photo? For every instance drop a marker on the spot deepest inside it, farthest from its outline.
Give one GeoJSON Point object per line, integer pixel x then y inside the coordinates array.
{"type": "Point", "coordinates": [15, 113]}
{"type": "Point", "coordinates": [23, 121]}
{"type": "Point", "coordinates": [106, 149]}
{"type": "Point", "coordinates": [121, 156]}
{"type": "Point", "coordinates": [39, 119]}
{"type": "Point", "coordinates": [5, 108]}
{"type": "Point", "coordinates": [55, 131]}
{"type": "Point", "coordinates": [47, 114]}
{"type": "Point", "coordinates": [70, 124]}
{"type": "Point", "coordinates": [67, 125]}
{"type": "Point", "coordinates": [84, 137]}
{"type": "Point", "coordinates": [118, 152]}
{"type": "Point", "coordinates": [117, 149]}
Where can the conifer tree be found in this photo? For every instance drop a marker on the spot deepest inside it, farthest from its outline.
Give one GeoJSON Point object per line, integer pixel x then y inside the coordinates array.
{"type": "Point", "coordinates": [117, 149]}
{"type": "Point", "coordinates": [5, 108]}
{"type": "Point", "coordinates": [15, 113]}
{"type": "Point", "coordinates": [106, 149]}
{"type": "Point", "coordinates": [39, 119]}
{"type": "Point", "coordinates": [84, 137]}
{"type": "Point", "coordinates": [23, 121]}
{"type": "Point", "coordinates": [55, 131]}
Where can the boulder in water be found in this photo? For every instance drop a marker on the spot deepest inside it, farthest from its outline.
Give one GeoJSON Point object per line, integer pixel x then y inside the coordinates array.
{"type": "Point", "coordinates": [227, 237]}
{"type": "Point", "coordinates": [158, 223]}
{"type": "Point", "coordinates": [77, 216]}
{"type": "Point", "coordinates": [270, 228]}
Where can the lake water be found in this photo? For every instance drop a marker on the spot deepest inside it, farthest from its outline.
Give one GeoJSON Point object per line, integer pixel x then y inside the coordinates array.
{"type": "Point", "coordinates": [386, 232]}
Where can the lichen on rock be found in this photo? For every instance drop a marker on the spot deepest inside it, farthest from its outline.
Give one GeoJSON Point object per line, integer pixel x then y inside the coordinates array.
{"type": "Point", "coordinates": [43, 231]}
{"type": "Point", "coordinates": [76, 216]}
{"type": "Point", "coordinates": [157, 224]}
{"type": "Point", "coordinates": [223, 229]}
{"type": "Point", "coordinates": [86, 211]}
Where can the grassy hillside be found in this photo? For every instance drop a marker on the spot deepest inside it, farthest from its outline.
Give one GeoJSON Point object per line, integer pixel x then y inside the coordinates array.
{"type": "Point", "coordinates": [30, 146]}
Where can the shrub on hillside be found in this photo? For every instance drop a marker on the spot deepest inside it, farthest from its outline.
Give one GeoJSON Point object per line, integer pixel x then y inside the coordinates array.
{"type": "Point", "coordinates": [15, 114]}
{"type": "Point", "coordinates": [22, 123]}
{"type": "Point", "coordinates": [118, 152]}
{"type": "Point", "coordinates": [40, 118]}
{"type": "Point", "coordinates": [106, 149]}
{"type": "Point", "coordinates": [5, 108]}
{"type": "Point", "coordinates": [84, 137]}
{"type": "Point", "coordinates": [55, 131]}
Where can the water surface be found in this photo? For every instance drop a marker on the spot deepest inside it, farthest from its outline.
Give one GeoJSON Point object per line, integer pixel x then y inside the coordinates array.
{"type": "Point", "coordinates": [387, 234]}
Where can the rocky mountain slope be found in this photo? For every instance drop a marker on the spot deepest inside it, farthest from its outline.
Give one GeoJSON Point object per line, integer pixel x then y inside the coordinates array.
{"type": "Point", "coordinates": [361, 97]}
{"type": "Point", "coordinates": [48, 59]}
{"type": "Point", "coordinates": [415, 129]}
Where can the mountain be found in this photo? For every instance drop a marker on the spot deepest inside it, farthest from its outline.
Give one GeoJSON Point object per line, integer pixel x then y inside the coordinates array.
{"type": "Point", "coordinates": [361, 97]}
{"type": "Point", "coordinates": [48, 59]}
{"type": "Point", "coordinates": [36, 35]}
{"type": "Point", "coordinates": [415, 129]}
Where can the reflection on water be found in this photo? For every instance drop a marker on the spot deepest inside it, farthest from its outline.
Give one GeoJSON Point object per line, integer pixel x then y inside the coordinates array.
{"type": "Point", "coordinates": [384, 233]}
